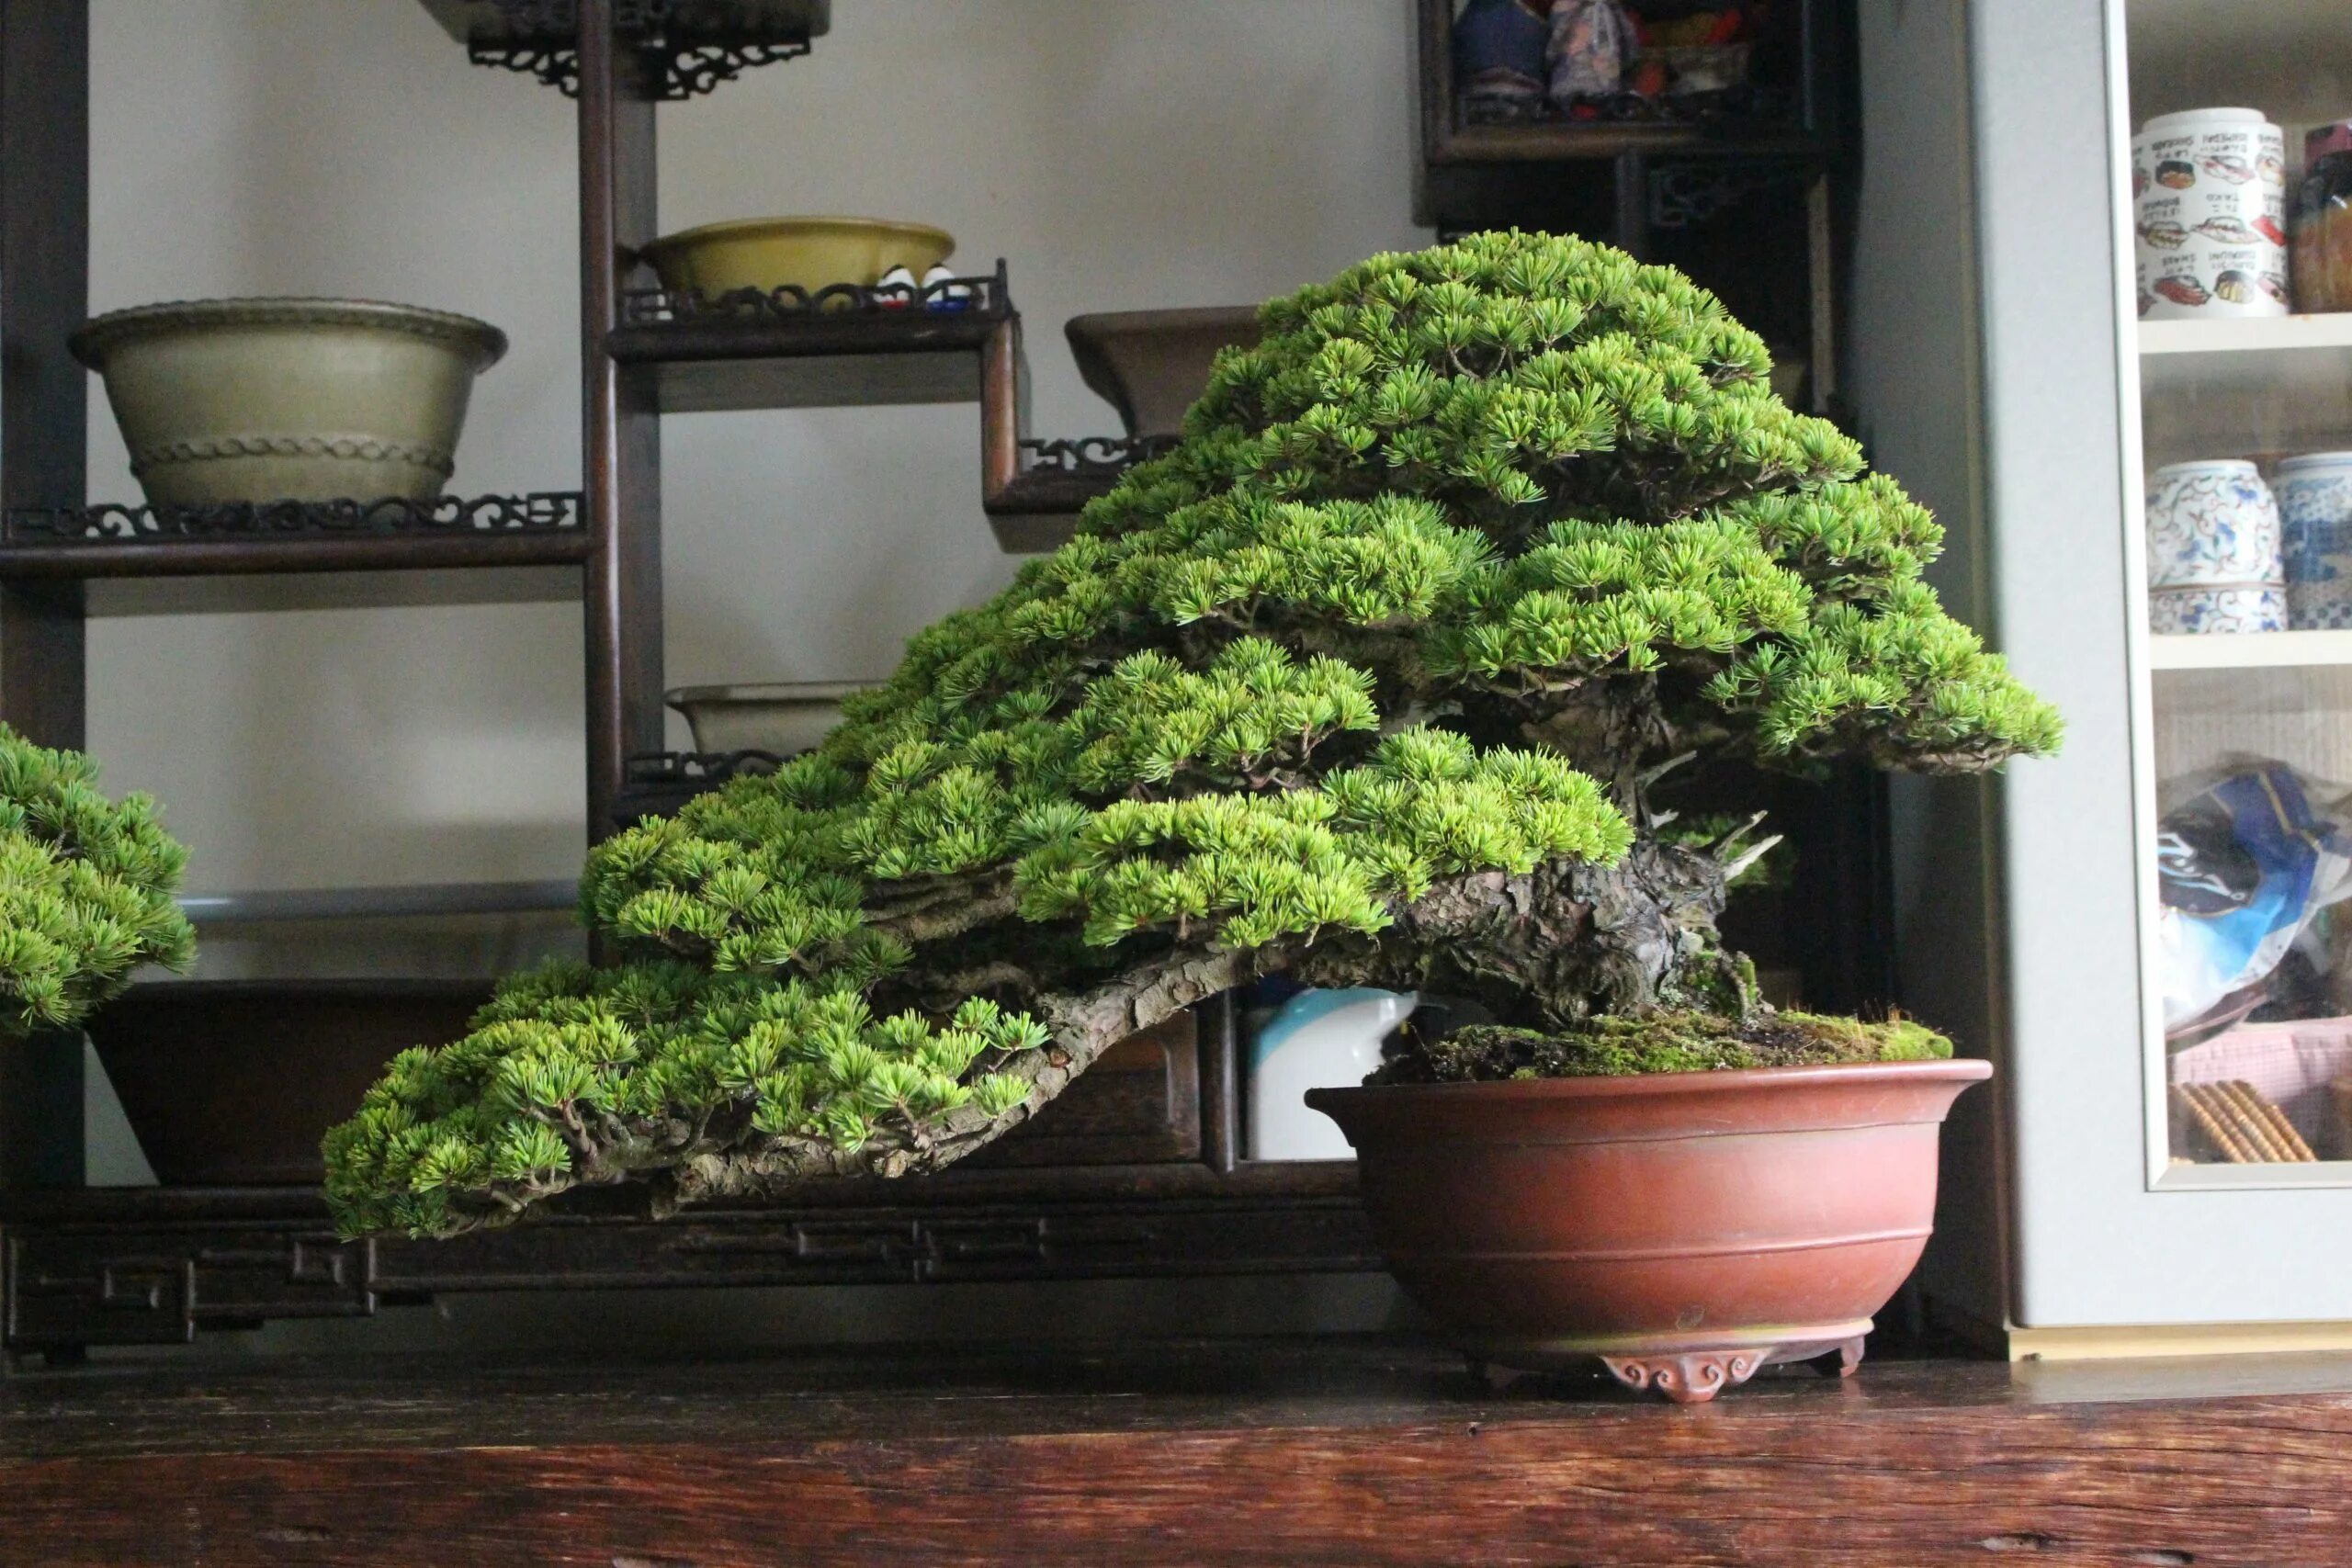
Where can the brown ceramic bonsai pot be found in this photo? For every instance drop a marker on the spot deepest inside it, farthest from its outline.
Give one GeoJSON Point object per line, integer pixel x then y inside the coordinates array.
{"type": "Point", "coordinates": [1152, 366]}
{"type": "Point", "coordinates": [233, 1083]}
{"type": "Point", "coordinates": [1685, 1228]}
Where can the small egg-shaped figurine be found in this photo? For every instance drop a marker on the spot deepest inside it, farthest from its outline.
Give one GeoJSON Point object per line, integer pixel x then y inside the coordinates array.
{"type": "Point", "coordinates": [942, 292]}
{"type": "Point", "coordinates": [897, 290]}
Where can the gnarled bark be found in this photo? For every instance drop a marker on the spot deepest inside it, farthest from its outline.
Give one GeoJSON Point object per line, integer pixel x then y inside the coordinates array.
{"type": "Point", "coordinates": [1554, 945]}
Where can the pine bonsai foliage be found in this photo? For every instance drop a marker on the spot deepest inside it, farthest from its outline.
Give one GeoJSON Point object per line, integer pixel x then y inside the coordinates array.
{"type": "Point", "coordinates": [1366, 681]}
{"type": "Point", "coordinates": [86, 889]}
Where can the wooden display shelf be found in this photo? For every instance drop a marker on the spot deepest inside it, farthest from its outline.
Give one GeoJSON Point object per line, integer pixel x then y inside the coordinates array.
{"type": "Point", "coordinates": [684, 48]}
{"type": "Point", "coordinates": [2250, 650]}
{"type": "Point", "coordinates": [1033, 491]}
{"type": "Point", "coordinates": [1566, 141]}
{"type": "Point", "coordinates": [506, 22]}
{"type": "Point", "coordinates": [229, 558]}
{"type": "Point", "coordinates": [541, 529]}
{"type": "Point", "coordinates": [1361, 1451]}
{"type": "Point", "coordinates": [1473, 174]}
{"type": "Point", "coordinates": [151, 1266]}
{"type": "Point", "coordinates": [753, 352]}
{"type": "Point", "coordinates": [810, 357]}
{"type": "Point", "coordinates": [1036, 511]}
{"type": "Point", "coordinates": [1131, 1173]}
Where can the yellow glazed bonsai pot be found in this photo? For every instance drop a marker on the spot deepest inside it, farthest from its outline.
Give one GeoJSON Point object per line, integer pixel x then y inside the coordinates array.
{"type": "Point", "coordinates": [229, 400]}
{"type": "Point", "coordinates": [768, 253]}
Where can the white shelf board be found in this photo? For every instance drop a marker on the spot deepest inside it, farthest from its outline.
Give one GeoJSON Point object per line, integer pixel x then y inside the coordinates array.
{"type": "Point", "coordinates": [2249, 650]}
{"type": "Point", "coordinates": [2288, 1174]}
{"type": "Point", "coordinates": [2259, 387]}
{"type": "Point", "coordinates": [2249, 334]}
{"type": "Point", "coordinates": [2287, 58]}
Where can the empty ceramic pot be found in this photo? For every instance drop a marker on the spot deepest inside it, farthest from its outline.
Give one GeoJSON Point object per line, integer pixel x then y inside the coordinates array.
{"type": "Point", "coordinates": [1684, 1228]}
{"type": "Point", "coordinates": [811, 254]}
{"type": "Point", "coordinates": [1152, 366]}
{"type": "Point", "coordinates": [247, 400]}
{"type": "Point", "coordinates": [233, 1083]}
{"type": "Point", "coordinates": [782, 719]}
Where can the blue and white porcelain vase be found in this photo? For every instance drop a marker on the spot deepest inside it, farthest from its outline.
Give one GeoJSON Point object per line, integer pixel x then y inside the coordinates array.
{"type": "Point", "coordinates": [2315, 509]}
{"type": "Point", "coordinates": [2223, 607]}
{"type": "Point", "coordinates": [2212, 522]}
{"type": "Point", "coordinates": [1317, 1040]}
{"type": "Point", "coordinates": [2216, 556]}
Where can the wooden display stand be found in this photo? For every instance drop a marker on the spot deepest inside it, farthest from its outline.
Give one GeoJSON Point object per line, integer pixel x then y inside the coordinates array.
{"type": "Point", "coordinates": [1343, 1452]}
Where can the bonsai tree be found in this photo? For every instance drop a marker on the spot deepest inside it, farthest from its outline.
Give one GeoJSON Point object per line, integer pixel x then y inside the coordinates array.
{"type": "Point", "coordinates": [85, 889]}
{"type": "Point", "coordinates": [1368, 681]}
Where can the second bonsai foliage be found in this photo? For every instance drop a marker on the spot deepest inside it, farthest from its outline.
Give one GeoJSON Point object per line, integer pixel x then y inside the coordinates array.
{"type": "Point", "coordinates": [85, 889]}
{"type": "Point", "coordinates": [1367, 681]}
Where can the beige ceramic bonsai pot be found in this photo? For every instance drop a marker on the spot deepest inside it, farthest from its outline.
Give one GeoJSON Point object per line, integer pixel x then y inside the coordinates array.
{"type": "Point", "coordinates": [783, 719]}
{"type": "Point", "coordinates": [1684, 1228]}
{"type": "Point", "coordinates": [225, 400]}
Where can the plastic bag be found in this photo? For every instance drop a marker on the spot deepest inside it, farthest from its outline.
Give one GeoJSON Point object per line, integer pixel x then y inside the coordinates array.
{"type": "Point", "coordinates": [2244, 863]}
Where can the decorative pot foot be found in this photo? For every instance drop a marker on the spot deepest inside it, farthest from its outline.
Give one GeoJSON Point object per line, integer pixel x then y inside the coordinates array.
{"type": "Point", "coordinates": [1692, 1378]}
{"type": "Point", "coordinates": [1849, 1356]}
{"type": "Point", "coordinates": [1688, 1368]}
{"type": "Point", "coordinates": [1695, 1376]}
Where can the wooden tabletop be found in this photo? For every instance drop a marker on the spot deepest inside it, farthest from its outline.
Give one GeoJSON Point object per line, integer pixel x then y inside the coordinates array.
{"type": "Point", "coordinates": [1338, 1451]}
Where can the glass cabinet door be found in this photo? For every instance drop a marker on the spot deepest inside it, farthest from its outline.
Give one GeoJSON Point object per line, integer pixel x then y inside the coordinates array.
{"type": "Point", "coordinates": [2240, 168]}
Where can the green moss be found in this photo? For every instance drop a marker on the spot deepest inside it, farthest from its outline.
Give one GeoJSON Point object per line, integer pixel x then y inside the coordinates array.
{"type": "Point", "coordinates": [1661, 1042]}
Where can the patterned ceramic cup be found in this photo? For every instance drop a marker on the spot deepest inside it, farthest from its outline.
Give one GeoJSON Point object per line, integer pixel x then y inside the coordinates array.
{"type": "Point", "coordinates": [2315, 507]}
{"type": "Point", "coordinates": [2224, 607]}
{"type": "Point", "coordinates": [2212, 522]}
{"type": "Point", "coordinates": [2208, 200]}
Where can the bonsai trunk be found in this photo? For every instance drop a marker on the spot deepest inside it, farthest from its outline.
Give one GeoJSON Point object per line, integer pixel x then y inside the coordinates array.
{"type": "Point", "coordinates": [1543, 949]}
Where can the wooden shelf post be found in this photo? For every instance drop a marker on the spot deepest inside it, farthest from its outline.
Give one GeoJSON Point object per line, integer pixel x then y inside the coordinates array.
{"type": "Point", "coordinates": [44, 294]}
{"type": "Point", "coordinates": [621, 442]}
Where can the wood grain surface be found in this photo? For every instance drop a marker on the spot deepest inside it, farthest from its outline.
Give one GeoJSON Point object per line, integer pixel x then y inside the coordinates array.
{"type": "Point", "coordinates": [1323, 1452]}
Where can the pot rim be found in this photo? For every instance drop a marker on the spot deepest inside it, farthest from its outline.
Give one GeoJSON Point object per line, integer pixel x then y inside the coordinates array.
{"type": "Point", "coordinates": [767, 692]}
{"type": "Point", "coordinates": [735, 228]}
{"type": "Point", "coordinates": [1621, 1086]}
{"type": "Point", "coordinates": [1173, 317]}
{"type": "Point", "coordinates": [402, 985]}
{"type": "Point", "coordinates": [91, 342]}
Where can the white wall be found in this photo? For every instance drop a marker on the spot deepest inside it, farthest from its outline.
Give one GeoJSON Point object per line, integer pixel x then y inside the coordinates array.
{"type": "Point", "coordinates": [1119, 155]}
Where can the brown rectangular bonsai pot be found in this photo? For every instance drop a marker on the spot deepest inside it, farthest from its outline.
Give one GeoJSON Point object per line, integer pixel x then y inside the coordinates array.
{"type": "Point", "coordinates": [232, 1083]}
